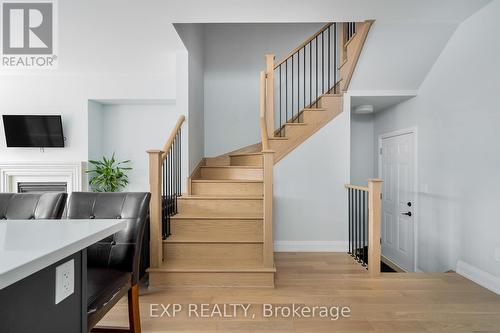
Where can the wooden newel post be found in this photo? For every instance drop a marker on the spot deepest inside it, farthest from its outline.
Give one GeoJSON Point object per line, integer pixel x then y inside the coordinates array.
{"type": "Point", "coordinates": [374, 226]}
{"type": "Point", "coordinates": [268, 163]}
{"type": "Point", "coordinates": [155, 245]}
{"type": "Point", "coordinates": [270, 94]}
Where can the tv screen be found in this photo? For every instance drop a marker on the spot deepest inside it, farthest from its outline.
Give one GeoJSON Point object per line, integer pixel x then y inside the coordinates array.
{"type": "Point", "coordinates": [33, 131]}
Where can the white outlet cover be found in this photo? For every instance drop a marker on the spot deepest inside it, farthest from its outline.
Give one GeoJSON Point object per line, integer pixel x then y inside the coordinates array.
{"type": "Point", "coordinates": [65, 280]}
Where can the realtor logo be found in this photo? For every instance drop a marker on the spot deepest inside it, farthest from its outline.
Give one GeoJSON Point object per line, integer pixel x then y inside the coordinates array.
{"type": "Point", "coordinates": [28, 34]}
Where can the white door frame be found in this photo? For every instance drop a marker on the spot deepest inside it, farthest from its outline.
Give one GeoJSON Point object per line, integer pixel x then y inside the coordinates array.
{"type": "Point", "coordinates": [414, 131]}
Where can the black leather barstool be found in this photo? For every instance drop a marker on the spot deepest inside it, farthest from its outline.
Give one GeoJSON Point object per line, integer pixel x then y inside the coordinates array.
{"type": "Point", "coordinates": [113, 263]}
{"type": "Point", "coordinates": [32, 206]}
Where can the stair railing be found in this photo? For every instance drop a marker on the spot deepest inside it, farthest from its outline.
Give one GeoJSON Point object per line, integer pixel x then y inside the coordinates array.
{"type": "Point", "coordinates": [322, 64]}
{"type": "Point", "coordinates": [302, 76]}
{"type": "Point", "coordinates": [364, 211]}
{"type": "Point", "coordinates": [165, 178]}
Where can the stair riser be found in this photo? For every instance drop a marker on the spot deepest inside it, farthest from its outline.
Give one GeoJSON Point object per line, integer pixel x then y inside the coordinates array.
{"type": "Point", "coordinates": [207, 251]}
{"type": "Point", "coordinates": [226, 206]}
{"type": "Point", "coordinates": [247, 160]}
{"type": "Point", "coordinates": [314, 117]}
{"type": "Point", "coordinates": [330, 102]}
{"type": "Point", "coordinates": [217, 161]}
{"type": "Point", "coordinates": [217, 230]}
{"type": "Point", "coordinates": [227, 189]}
{"type": "Point", "coordinates": [231, 173]}
{"type": "Point", "coordinates": [206, 279]}
{"type": "Point", "coordinates": [278, 144]}
{"type": "Point", "coordinates": [293, 132]}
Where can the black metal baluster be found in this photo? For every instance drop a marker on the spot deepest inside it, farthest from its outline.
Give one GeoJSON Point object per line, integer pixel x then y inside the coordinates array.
{"type": "Point", "coordinates": [351, 213]}
{"type": "Point", "coordinates": [310, 73]}
{"type": "Point", "coordinates": [298, 84]}
{"type": "Point", "coordinates": [304, 63]}
{"type": "Point", "coordinates": [349, 199]}
{"type": "Point", "coordinates": [316, 79]}
{"type": "Point", "coordinates": [180, 161]}
{"type": "Point", "coordinates": [329, 68]}
{"type": "Point", "coordinates": [322, 63]}
{"type": "Point", "coordinates": [355, 224]}
{"type": "Point", "coordinates": [280, 97]}
{"type": "Point", "coordinates": [163, 189]}
{"type": "Point", "coordinates": [360, 226]}
{"type": "Point", "coordinates": [364, 228]}
{"type": "Point", "coordinates": [286, 89]}
{"type": "Point", "coordinates": [174, 162]}
{"type": "Point", "coordinates": [293, 67]}
{"type": "Point", "coordinates": [334, 56]}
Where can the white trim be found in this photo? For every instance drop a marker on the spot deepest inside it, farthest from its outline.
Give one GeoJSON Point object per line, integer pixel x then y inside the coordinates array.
{"type": "Point", "coordinates": [411, 130]}
{"type": "Point", "coordinates": [311, 246]}
{"type": "Point", "coordinates": [479, 276]}
{"type": "Point", "coordinates": [70, 172]}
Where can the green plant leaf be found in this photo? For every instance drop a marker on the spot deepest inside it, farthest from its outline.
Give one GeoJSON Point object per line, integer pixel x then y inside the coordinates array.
{"type": "Point", "coordinates": [108, 175]}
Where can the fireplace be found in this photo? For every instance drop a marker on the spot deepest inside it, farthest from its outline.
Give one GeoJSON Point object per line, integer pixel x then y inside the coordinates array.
{"type": "Point", "coordinates": [37, 187]}
{"type": "Point", "coordinates": [42, 177]}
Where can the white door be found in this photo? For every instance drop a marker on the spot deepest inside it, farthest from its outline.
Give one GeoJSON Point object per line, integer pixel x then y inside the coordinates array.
{"type": "Point", "coordinates": [397, 167]}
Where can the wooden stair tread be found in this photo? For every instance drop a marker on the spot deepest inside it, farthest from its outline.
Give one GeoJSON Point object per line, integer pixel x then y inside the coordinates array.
{"type": "Point", "coordinates": [226, 181]}
{"type": "Point", "coordinates": [212, 266]}
{"type": "Point", "coordinates": [216, 216]}
{"type": "Point", "coordinates": [295, 124]}
{"type": "Point", "coordinates": [246, 154]}
{"type": "Point", "coordinates": [231, 167]}
{"type": "Point", "coordinates": [183, 240]}
{"type": "Point", "coordinates": [220, 197]}
{"type": "Point", "coordinates": [314, 109]}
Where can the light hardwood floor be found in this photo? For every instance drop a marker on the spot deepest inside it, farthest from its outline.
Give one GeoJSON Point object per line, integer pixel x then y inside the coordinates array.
{"type": "Point", "coordinates": [395, 302]}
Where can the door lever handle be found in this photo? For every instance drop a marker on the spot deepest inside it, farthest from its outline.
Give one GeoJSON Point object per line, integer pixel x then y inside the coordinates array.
{"type": "Point", "coordinates": [407, 214]}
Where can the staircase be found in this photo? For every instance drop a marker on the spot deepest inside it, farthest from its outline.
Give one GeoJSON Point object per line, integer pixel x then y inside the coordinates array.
{"type": "Point", "coordinates": [220, 231]}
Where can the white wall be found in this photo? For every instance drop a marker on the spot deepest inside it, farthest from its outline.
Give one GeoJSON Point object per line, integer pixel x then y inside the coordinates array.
{"type": "Point", "coordinates": [310, 201]}
{"type": "Point", "coordinates": [107, 50]}
{"type": "Point", "coordinates": [234, 57]}
{"type": "Point", "coordinates": [95, 130]}
{"type": "Point", "coordinates": [456, 112]}
{"type": "Point", "coordinates": [362, 142]}
{"type": "Point", "coordinates": [193, 38]}
{"type": "Point", "coordinates": [129, 131]}
{"type": "Point", "coordinates": [398, 55]}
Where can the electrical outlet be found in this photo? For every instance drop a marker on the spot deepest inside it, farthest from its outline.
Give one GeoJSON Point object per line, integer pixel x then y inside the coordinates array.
{"type": "Point", "coordinates": [65, 280]}
{"type": "Point", "coordinates": [497, 254]}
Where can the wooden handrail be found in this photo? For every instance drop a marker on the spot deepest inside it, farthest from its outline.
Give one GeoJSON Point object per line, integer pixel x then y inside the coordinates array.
{"type": "Point", "coordinates": [156, 160]}
{"type": "Point", "coordinates": [262, 112]}
{"type": "Point", "coordinates": [295, 50]}
{"type": "Point", "coordinates": [171, 138]}
{"type": "Point", "coordinates": [374, 224]}
{"type": "Point", "coordinates": [355, 187]}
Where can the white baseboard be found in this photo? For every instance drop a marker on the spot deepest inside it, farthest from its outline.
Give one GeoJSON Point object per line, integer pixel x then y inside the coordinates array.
{"type": "Point", "coordinates": [311, 246]}
{"type": "Point", "coordinates": [479, 276]}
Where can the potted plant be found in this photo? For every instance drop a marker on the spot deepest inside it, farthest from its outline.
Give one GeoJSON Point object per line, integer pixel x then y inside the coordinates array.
{"type": "Point", "coordinates": [108, 175]}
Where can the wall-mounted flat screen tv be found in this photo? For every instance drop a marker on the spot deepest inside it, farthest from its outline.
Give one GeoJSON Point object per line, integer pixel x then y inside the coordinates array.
{"type": "Point", "coordinates": [33, 131]}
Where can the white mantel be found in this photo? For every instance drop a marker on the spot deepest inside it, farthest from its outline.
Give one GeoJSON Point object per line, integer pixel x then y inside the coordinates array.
{"type": "Point", "coordinates": [72, 173]}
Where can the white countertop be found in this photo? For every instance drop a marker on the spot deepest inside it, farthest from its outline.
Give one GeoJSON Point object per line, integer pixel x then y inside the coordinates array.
{"type": "Point", "coordinates": [27, 246]}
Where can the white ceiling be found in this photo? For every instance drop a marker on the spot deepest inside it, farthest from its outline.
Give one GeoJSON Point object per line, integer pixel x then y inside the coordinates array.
{"type": "Point", "coordinates": [203, 11]}
{"type": "Point", "coordinates": [379, 103]}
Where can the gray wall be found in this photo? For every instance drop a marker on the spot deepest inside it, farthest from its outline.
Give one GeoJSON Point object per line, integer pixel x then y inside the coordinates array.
{"type": "Point", "coordinates": [234, 56]}
{"type": "Point", "coordinates": [193, 38]}
{"type": "Point", "coordinates": [129, 130]}
{"type": "Point", "coordinates": [362, 143]}
{"type": "Point", "coordinates": [458, 122]}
